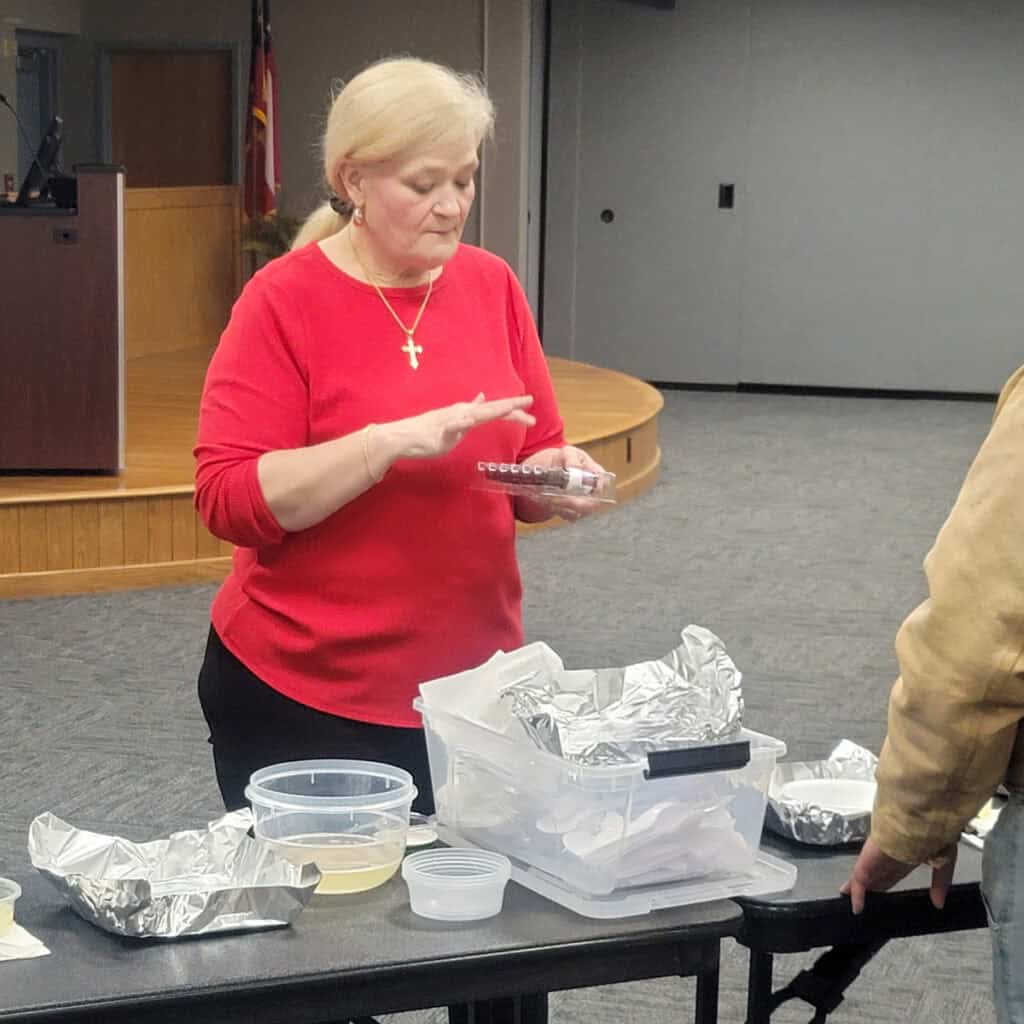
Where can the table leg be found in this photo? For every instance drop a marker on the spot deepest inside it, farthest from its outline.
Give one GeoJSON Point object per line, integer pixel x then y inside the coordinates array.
{"type": "Point", "coordinates": [706, 1011]}
{"type": "Point", "coordinates": [759, 988]}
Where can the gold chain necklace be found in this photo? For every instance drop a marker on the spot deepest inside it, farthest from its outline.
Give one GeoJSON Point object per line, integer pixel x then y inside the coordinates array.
{"type": "Point", "coordinates": [410, 347]}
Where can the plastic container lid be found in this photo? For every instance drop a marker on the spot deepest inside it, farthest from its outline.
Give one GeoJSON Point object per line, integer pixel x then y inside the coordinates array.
{"type": "Point", "coordinates": [456, 884]}
{"type": "Point", "coordinates": [331, 785]}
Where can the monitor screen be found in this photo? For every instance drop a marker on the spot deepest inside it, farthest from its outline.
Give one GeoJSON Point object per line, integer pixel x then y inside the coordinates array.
{"type": "Point", "coordinates": [43, 167]}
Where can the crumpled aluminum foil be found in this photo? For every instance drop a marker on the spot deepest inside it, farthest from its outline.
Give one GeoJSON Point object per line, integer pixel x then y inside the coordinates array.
{"type": "Point", "coordinates": [619, 715]}
{"type": "Point", "coordinates": [193, 883]}
{"type": "Point", "coordinates": [814, 825]}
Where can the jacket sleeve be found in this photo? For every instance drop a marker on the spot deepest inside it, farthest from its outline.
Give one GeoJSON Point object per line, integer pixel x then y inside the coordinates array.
{"type": "Point", "coordinates": [532, 367]}
{"type": "Point", "coordinates": [955, 709]}
{"type": "Point", "coordinates": [255, 400]}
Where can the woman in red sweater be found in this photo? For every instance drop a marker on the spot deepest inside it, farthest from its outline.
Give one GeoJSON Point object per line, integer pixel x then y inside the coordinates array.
{"type": "Point", "coordinates": [360, 380]}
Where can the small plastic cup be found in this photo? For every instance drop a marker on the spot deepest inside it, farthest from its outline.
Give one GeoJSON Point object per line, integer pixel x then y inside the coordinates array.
{"type": "Point", "coordinates": [9, 893]}
{"type": "Point", "coordinates": [456, 885]}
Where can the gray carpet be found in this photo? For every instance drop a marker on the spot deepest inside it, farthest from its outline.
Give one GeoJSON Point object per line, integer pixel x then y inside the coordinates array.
{"type": "Point", "coordinates": [794, 527]}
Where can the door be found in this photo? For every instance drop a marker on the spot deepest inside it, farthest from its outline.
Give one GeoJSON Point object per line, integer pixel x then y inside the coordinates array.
{"type": "Point", "coordinates": [647, 122]}
{"type": "Point", "coordinates": [171, 117]}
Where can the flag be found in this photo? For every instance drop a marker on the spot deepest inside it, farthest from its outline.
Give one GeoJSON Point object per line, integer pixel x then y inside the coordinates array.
{"type": "Point", "coordinates": [262, 153]}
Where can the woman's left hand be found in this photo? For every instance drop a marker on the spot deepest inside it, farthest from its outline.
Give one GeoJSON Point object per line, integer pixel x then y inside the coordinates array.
{"type": "Point", "coordinates": [571, 509]}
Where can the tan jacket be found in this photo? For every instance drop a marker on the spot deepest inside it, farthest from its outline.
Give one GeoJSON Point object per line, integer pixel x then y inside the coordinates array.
{"type": "Point", "coordinates": [955, 711]}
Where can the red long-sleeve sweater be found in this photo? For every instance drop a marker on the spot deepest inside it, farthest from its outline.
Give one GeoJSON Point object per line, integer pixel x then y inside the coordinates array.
{"type": "Point", "coordinates": [416, 578]}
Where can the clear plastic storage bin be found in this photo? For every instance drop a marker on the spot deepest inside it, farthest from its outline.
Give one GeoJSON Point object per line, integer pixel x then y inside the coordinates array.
{"type": "Point", "coordinates": [601, 830]}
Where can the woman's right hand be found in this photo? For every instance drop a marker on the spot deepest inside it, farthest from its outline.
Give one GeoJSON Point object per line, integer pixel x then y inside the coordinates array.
{"type": "Point", "coordinates": [437, 432]}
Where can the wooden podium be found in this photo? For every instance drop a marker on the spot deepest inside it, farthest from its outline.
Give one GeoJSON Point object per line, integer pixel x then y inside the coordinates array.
{"type": "Point", "coordinates": [62, 404]}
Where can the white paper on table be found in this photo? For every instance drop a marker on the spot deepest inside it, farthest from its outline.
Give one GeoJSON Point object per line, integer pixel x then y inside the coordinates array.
{"type": "Point", "coordinates": [652, 843]}
{"type": "Point", "coordinates": [18, 944]}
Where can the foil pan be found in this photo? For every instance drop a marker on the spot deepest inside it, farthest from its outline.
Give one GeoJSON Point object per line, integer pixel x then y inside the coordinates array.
{"type": "Point", "coordinates": [808, 823]}
{"type": "Point", "coordinates": [193, 883]}
{"type": "Point", "coordinates": [619, 715]}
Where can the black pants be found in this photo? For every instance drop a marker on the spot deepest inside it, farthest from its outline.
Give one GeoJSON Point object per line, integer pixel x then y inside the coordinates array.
{"type": "Point", "coordinates": [252, 725]}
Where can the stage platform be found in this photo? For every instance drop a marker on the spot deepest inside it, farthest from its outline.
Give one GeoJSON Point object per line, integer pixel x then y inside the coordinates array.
{"type": "Point", "coordinates": [75, 534]}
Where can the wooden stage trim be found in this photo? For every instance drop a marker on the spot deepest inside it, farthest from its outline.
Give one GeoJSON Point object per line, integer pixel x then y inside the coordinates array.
{"type": "Point", "coordinates": [74, 534]}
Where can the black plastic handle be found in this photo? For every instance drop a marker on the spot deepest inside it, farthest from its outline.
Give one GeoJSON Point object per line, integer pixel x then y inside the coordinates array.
{"type": "Point", "coordinates": [717, 757]}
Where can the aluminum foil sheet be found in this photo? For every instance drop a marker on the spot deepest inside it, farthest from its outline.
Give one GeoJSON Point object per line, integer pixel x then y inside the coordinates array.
{"type": "Point", "coordinates": [193, 883]}
{"type": "Point", "coordinates": [808, 823]}
{"type": "Point", "coordinates": [619, 715]}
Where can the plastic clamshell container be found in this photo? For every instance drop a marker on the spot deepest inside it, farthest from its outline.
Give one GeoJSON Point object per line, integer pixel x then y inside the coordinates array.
{"type": "Point", "coordinates": [456, 884]}
{"type": "Point", "coordinates": [598, 831]}
{"type": "Point", "coordinates": [350, 818]}
{"type": "Point", "coordinates": [9, 893]}
{"type": "Point", "coordinates": [518, 478]}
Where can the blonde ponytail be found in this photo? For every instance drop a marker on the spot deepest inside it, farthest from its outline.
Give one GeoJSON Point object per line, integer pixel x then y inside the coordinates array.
{"type": "Point", "coordinates": [320, 224]}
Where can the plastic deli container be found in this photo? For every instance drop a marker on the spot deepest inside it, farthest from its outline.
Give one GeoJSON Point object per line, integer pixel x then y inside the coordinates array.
{"type": "Point", "coordinates": [9, 893]}
{"type": "Point", "coordinates": [696, 813]}
{"type": "Point", "coordinates": [456, 884]}
{"type": "Point", "coordinates": [350, 818]}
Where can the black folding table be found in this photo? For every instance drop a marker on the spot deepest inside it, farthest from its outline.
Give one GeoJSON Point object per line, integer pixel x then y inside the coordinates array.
{"type": "Point", "coordinates": [814, 914]}
{"type": "Point", "coordinates": [346, 958]}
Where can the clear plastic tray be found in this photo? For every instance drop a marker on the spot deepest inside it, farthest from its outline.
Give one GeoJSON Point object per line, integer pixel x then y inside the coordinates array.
{"type": "Point", "coordinates": [767, 875]}
{"type": "Point", "coordinates": [553, 482]}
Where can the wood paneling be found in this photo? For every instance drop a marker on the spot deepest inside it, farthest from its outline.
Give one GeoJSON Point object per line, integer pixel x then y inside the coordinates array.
{"type": "Point", "coordinates": [59, 536]}
{"type": "Point", "coordinates": [111, 515]}
{"type": "Point", "coordinates": [207, 546]}
{"type": "Point", "coordinates": [171, 117]}
{"type": "Point", "coordinates": [32, 538]}
{"type": "Point", "coordinates": [86, 534]}
{"type": "Point", "coordinates": [87, 581]}
{"type": "Point", "coordinates": [136, 531]}
{"type": "Point", "coordinates": [161, 530]}
{"type": "Point", "coordinates": [184, 528]}
{"type": "Point", "coordinates": [183, 267]}
{"type": "Point", "coordinates": [10, 545]}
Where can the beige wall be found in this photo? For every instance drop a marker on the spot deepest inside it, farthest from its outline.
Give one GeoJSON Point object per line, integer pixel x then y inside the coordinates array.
{"type": "Point", "coordinates": [503, 193]}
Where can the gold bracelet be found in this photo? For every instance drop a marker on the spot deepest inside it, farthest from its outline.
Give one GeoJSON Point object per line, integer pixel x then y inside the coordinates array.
{"type": "Point", "coordinates": [367, 430]}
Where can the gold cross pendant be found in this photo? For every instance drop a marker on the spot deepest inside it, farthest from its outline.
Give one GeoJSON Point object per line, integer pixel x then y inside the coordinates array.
{"type": "Point", "coordinates": [412, 349]}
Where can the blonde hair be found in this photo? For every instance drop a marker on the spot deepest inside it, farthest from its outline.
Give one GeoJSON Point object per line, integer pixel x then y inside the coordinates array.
{"type": "Point", "coordinates": [396, 107]}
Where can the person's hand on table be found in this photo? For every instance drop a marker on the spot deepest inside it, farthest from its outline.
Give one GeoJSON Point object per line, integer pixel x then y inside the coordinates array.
{"type": "Point", "coordinates": [876, 871]}
{"type": "Point", "coordinates": [568, 507]}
